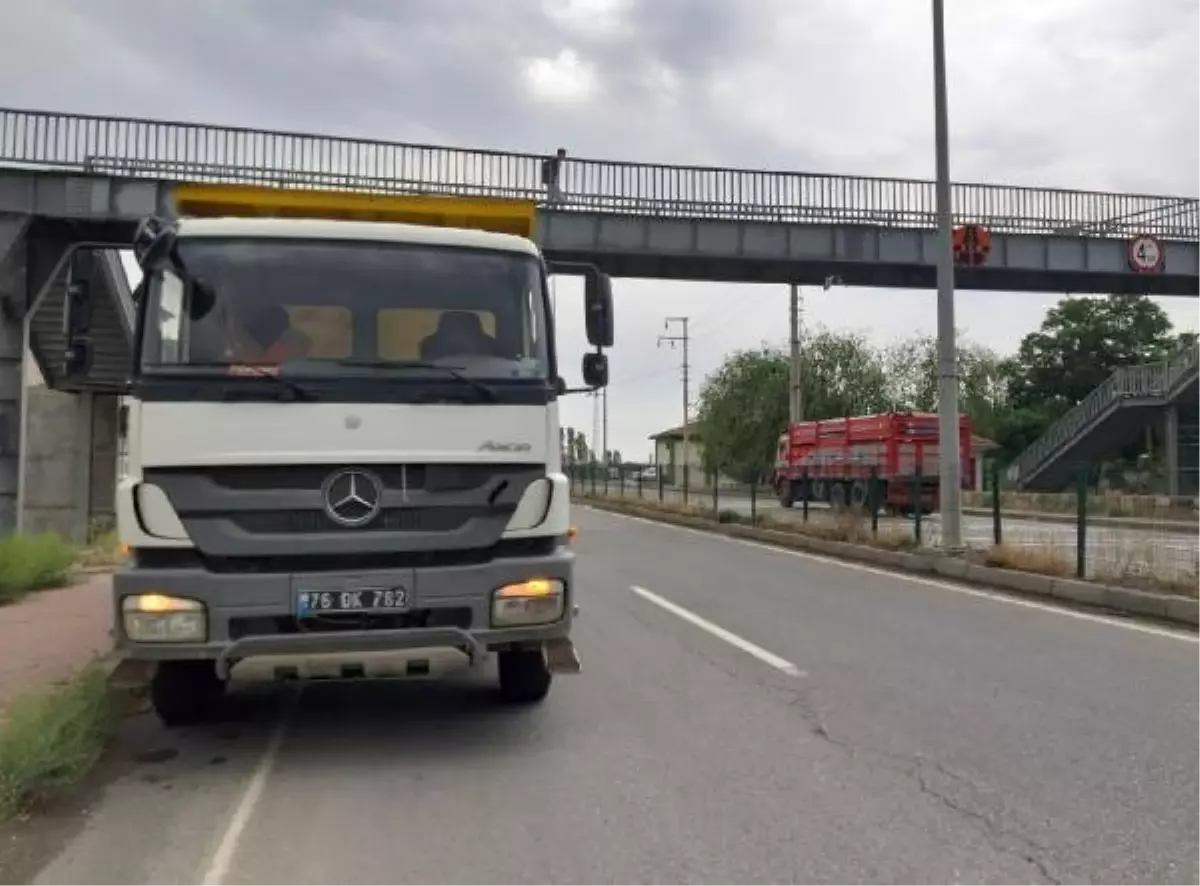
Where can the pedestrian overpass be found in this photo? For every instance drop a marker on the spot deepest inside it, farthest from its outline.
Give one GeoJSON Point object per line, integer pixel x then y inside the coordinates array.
{"type": "Point", "coordinates": [1113, 416]}
{"type": "Point", "coordinates": [73, 187]}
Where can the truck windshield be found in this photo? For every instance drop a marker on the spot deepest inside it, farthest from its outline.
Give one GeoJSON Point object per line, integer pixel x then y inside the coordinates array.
{"type": "Point", "coordinates": [321, 309]}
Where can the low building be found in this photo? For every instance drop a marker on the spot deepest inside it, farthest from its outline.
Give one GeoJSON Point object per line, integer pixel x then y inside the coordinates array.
{"type": "Point", "coordinates": [670, 457]}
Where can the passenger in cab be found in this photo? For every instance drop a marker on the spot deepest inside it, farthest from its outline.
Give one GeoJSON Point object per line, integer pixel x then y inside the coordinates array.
{"type": "Point", "coordinates": [459, 334]}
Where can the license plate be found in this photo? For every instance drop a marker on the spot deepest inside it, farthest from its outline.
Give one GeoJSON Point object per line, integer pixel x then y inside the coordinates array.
{"type": "Point", "coordinates": [365, 600]}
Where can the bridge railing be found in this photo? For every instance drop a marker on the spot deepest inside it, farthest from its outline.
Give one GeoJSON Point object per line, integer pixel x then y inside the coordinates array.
{"type": "Point", "coordinates": [1150, 380]}
{"type": "Point", "coordinates": [199, 152]}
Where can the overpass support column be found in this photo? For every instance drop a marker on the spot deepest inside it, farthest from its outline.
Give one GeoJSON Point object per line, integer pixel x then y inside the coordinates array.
{"type": "Point", "coordinates": [84, 440]}
{"type": "Point", "coordinates": [12, 306]}
{"type": "Point", "coordinates": [1171, 448]}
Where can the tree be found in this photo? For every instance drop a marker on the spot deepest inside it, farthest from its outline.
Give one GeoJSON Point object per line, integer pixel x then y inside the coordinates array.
{"type": "Point", "coordinates": [841, 374]}
{"type": "Point", "coordinates": [912, 374]}
{"type": "Point", "coordinates": [743, 405]}
{"type": "Point", "coordinates": [577, 447]}
{"type": "Point", "coordinates": [742, 411]}
{"type": "Point", "coordinates": [1082, 341]}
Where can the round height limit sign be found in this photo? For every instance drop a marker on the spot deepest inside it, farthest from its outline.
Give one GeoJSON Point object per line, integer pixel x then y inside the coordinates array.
{"type": "Point", "coordinates": [1145, 254]}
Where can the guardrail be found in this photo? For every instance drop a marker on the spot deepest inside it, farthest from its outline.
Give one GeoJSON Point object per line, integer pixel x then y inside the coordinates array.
{"type": "Point", "coordinates": [1148, 380]}
{"type": "Point", "coordinates": [202, 152]}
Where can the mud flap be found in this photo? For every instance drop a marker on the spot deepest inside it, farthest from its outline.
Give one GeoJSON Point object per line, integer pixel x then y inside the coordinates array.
{"type": "Point", "coordinates": [561, 657]}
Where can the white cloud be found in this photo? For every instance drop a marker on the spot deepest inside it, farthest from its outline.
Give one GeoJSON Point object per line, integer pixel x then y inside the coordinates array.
{"type": "Point", "coordinates": [1089, 94]}
{"type": "Point", "coordinates": [564, 78]}
{"type": "Point", "coordinates": [594, 18]}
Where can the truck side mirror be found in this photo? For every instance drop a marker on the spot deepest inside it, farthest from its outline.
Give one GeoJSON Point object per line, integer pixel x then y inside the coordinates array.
{"type": "Point", "coordinates": [598, 305]}
{"type": "Point", "coordinates": [595, 370]}
{"type": "Point", "coordinates": [154, 243]}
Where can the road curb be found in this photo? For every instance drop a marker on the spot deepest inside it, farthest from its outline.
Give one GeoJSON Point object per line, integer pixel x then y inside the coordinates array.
{"type": "Point", "coordinates": [127, 681]}
{"type": "Point", "coordinates": [1165, 607]}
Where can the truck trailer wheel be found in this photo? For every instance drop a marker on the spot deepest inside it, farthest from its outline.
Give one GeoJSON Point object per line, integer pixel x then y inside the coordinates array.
{"type": "Point", "coordinates": [185, 692]}
{"type": "Point", "coordinates": [524, 675]}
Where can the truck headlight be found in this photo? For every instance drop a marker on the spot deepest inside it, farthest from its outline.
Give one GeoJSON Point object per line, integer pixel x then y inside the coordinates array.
{"type": "Point", "coordinates": [161, 618]}
{"type": "Point", "coordinates": [532, 602]}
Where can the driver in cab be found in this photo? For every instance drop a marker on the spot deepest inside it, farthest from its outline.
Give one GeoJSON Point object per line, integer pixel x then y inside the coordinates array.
{"type": "Point", "coordinates": [268, 338]}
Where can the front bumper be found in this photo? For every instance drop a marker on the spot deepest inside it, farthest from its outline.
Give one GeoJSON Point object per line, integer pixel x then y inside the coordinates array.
{"type": "Point", "coordinates": [254, 614]}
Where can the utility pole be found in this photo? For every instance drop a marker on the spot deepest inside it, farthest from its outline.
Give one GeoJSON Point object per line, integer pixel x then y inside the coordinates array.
{"type": "Point", "coordinates": [682, 337]}
{"type": "Point", "coordinates": [950, 469]}
{"type": "Point", "coordinates": [604, 423]}
{"type": "Point", "coordinates": [795, 400]}
{"type": "Point", "coordinates": [595, 425]}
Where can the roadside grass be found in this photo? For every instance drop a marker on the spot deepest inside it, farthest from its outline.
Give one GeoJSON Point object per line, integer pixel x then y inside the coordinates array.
{"type": "Point", "coordinates": [1028, 558]}
{"type": "Point", "coordinates": [1140, 566]}
{"type": "Point", "coordinates": [102, 551]}
{"type": "Point", "coordinates": [49, 740]}
{"type": "Point", "coordinates": [32, 563]}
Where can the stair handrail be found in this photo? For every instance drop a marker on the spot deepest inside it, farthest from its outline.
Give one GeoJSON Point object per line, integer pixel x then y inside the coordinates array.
{"type": "Point", "coordinates": [1144, 380]}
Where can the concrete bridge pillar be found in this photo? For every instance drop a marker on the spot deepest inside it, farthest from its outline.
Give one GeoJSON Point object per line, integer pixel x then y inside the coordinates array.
{"type": "Point", "coordinates": [1171, 448]}
{"type": "Point", "coordinates": [12, 304]}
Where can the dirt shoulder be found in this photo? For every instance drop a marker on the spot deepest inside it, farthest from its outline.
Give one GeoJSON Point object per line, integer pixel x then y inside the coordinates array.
{"type": "Point", "coordinates": [49, 636]}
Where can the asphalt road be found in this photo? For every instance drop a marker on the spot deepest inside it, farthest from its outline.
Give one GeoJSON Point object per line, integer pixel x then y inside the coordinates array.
{"type": "Point", "coordinates": [1115, 551]}
{"type": "Point", "coordinates": [743, 715]}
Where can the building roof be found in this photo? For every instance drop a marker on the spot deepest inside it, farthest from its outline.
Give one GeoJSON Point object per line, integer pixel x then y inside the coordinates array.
{"type": "Point", "coordinates": [676, 433]}
{"type": "Point", "coordinates": [983, 444]}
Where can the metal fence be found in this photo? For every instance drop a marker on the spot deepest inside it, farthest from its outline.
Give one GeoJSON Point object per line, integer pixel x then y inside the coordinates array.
{"type": "Point", "coordinates": [1158, 548]}
{"type": "Point", "coordinates": [207, 153]}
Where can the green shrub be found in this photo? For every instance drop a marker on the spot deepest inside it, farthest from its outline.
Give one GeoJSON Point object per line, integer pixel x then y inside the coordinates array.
{"type": "Point", "coordinates": [50, 740]}
{"type": "Point", "coordinates": [32, 562]}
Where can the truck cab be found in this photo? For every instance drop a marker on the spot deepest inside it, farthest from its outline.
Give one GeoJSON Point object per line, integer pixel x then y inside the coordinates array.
{"type": "Point", "coordinates": [343, 439]}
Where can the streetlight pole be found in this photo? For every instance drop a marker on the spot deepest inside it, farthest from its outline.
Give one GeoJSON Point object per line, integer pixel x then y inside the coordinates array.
{"type": "Point", "coordinates": [950, 468]}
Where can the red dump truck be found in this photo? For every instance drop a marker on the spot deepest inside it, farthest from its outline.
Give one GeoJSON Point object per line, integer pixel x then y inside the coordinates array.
{"type": "Point", "coordinates": [837, 457]}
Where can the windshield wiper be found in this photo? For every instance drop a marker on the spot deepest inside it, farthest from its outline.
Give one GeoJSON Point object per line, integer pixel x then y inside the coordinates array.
{"type": "Point", "coordinates": [285, 389]}
{"type": "Point", "coordinates": [488, 393]}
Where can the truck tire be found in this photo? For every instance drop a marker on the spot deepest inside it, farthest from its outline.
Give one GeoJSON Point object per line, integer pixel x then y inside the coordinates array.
{"type": "Point", "coordinates": [787, 493]}
{"type": "Point", "coordinates": [524, 675]}
{"type": "Point", "coordinates": [858, 494]}
{"type": "Point", "coordinates": [184, 693]}
{"type": "Point", "coordinates": [837, 496]}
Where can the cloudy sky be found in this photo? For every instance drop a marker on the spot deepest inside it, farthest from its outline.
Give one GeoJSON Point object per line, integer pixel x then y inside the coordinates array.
{"type": "Point", "coordinates": [1091, 94]}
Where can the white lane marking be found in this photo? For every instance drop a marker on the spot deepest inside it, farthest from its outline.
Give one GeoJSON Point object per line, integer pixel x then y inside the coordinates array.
{"type": "Point", "coordinates": [219, 866]}
{"type": "Point", "coordinates": [921, 580]}
{"type": "Point", "coordinates": [781, 664]}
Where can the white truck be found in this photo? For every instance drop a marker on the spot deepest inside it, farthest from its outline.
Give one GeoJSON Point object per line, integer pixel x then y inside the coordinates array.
{"type": "Point", "coordinates": [343, 438]}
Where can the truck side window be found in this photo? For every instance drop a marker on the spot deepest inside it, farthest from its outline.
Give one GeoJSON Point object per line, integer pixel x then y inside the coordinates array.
{"type": "Point", "coordinates": [170, 319]}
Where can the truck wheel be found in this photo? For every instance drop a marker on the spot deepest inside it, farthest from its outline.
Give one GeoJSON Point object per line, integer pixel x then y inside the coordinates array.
{"type": "Point", "coordinates": [858, 494]}
{"type": "Point", "coordinates": [185, 692]}
{"type": "Point", "coordinates": [524, 675]}
{"type": "Point", "coordinates": [787, 493]}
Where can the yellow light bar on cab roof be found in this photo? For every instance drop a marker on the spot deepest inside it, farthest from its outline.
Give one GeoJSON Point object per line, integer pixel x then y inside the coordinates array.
{"type": "Point", "coordinates": [496, 214]}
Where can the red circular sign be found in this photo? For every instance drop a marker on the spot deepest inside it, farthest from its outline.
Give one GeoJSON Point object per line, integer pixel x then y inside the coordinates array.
{"type": "Point", "coordinates": [1145, 255]}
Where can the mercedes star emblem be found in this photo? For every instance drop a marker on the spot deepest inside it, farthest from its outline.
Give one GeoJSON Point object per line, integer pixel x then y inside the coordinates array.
{"type": "Point", "coordinates": [352, 497]}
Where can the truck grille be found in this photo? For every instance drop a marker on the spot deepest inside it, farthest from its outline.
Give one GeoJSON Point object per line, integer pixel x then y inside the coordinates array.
{"type": "Point", "coordinates": [391, 520]}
